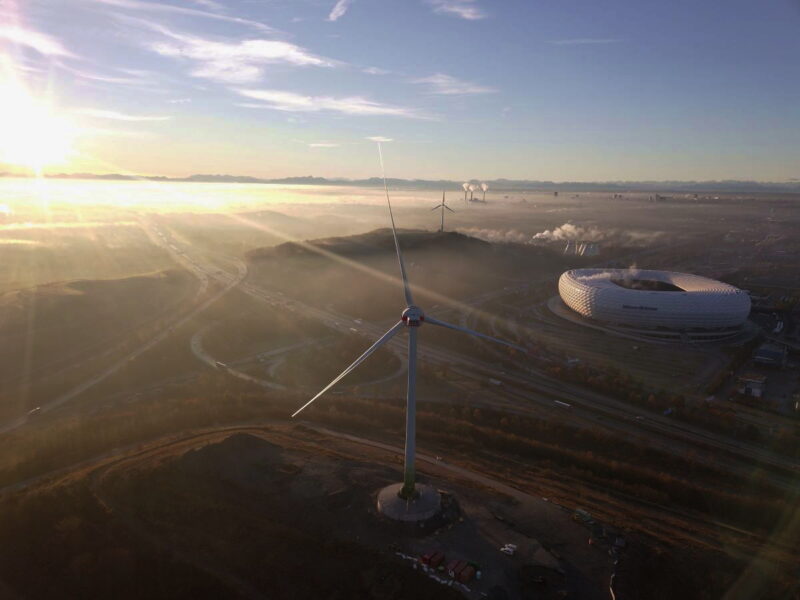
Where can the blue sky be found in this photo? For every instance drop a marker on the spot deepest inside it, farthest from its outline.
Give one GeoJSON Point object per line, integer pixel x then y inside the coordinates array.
{"type": "Point", "coordinates": [559, 90]}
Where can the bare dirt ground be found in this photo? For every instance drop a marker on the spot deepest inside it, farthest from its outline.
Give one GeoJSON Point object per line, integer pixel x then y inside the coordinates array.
{"type": "Point", "coordinates": [323, 488]}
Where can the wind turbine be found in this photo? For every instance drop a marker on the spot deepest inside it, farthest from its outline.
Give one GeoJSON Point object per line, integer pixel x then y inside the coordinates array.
{"type": "Point", "coordinates": [465, 185]}
{"type": "Point", "coordinates": [412, 318]}
{"type": "Point", "coordinates": [484, 187]}
{"type": "Point", "coordinates": [442, 206]}
{"type": "Point", "coordinates": [472, 188]}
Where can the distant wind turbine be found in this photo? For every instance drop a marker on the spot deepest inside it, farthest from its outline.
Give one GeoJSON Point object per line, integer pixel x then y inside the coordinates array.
{"type": "Point", "coordinates": [484, 187]}
{"type": "Point", "coordinates": [412, 319]}
{"type": "Point", "coordinates": [442, 206]}
{"type": "Point", "coordinates": [472, 188]}
{"type": "Point", "coordinates": [466, 189]}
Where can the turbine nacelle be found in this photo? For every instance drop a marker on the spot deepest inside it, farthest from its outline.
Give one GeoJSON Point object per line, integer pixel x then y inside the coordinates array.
{"type": "Point", "coordinates": [413, 316]}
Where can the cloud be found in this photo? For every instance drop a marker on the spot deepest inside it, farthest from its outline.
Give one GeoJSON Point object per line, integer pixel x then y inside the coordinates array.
{"type": "Point", "coordinates": [117, 116]}
{"type": "Point", "coordinates": [350, 105]}
{"type": "Point", "coordinates": [180, 101]}
{"type": "Point", "coordinates": [379, 139]}
{"type": "Point", "coordinates": [323, 145]}
{"type": "Point", "coordinates": [463, 9]}
{"type": "Point", "coordinates": [181, 10]}
{"type": "Point", "coordinates": [450, 86]}
{"type": "Point", "coordinates": [339, 9]}
{"type": "Point", "coordinates": [136, 79]}
{"type": "Point", "coordinates": [212, 4]}
{"type": "Point", "coordinates": [40, 42]}
{"type": "Point", "coordinates": [139, 133]}
{"type": "Point", "coordinates": [375, 71]}
{"type": "Point", "coordinates": [235, 61]}
{"type": "Point", "coordinates": [584, 41]}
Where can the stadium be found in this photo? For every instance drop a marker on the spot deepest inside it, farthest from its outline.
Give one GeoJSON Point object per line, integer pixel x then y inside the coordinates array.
{"type": "Point", "coordinates": [656, 304]}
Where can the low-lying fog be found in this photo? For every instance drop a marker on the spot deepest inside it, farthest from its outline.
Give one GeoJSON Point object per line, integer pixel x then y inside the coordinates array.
{"type": "Point", "coordinates": [57, 229]}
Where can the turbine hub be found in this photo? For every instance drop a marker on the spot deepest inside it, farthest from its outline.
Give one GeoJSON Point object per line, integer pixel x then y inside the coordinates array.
{"type": "Point", "coordinates": [413, 316]}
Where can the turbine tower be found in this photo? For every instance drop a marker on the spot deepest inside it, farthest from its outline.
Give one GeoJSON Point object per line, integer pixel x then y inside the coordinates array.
{"type": "Point", "coordinates": [484, 187]}
{"type": "Point", "coordinates": [408, 502]}
{"type": "Point", "coordinates": [472, 188]}
{"type": "Point", "coordinates": [465, 185]}
{"type": "Point", "coordinates": [442, 206]}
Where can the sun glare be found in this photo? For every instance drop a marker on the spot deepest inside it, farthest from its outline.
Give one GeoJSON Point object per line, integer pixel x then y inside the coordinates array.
{"type": "Point", "coordinates": [32, 135]}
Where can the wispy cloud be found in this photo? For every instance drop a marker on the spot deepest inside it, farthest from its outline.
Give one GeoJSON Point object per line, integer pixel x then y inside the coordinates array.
{"type": "Point", "coordinates": [463, 9]}
{"type": "Point", "coordinates": [135, 78]}
{"type": "Point", "coordinates": [233, 61]}
{"type": "Point", "coordinates": [210, 4]}
{"type": "Point", "coordinates": [379, 139]}
{"type": "Point", "coordinates": [40, 42]}
{"type": "Point", "coordinates": [350, 105]}
{"type": "Point", "coordinates": [97, 113]}
{"type": "Point", "coordinates": [375, 71]}
{"type": "Point", "coordinates": [585, 41]}
{"type": "Point", "coordinates": [338, 10]}
{"type": "Point", "coordinates": [179, 100]}
{"type": "Point", "coordinates": [451, 86]}
{"type": "Point", "coordinates": [323, 145]}
{"type": "Point", "coordinates": [139, 5]}
{"type": "Point", "coordinates": [139, 133]}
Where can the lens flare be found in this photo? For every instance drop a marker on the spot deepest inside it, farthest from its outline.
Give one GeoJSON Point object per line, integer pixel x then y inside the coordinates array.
{"type": "Point", "coordinates": [33, 134]}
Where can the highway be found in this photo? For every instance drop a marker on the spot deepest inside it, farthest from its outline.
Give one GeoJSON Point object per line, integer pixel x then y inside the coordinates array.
{"type": "Point", "coordinates": [230, 281]}
{"type": "Point", "coordinates": [526, 391]}
{"type": "Point", "coordinates": [527, 387]}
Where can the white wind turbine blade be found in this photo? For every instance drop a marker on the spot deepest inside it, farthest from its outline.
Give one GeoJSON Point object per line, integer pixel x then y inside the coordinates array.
{"type": "Point", "coordinates": [432, 321]}
{"type": "Point", "coordinates": [384, 338]}
{"type": "Point", "coordinates": [448, 208]}
{"type": "Point", "coordinates": [437, 207]}
{"type": "Point", "coordinates": [406, 287]}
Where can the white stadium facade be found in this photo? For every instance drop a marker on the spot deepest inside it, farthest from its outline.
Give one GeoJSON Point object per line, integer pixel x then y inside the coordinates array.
{"type": "Point", "coordinates": [656, 304]}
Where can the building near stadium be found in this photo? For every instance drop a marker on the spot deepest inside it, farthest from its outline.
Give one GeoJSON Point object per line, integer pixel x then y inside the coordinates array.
{"type": "Point", "coordinates": [658, 304]}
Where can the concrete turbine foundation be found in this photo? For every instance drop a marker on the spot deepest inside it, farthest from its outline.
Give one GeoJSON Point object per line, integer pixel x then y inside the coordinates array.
{"type": "Point", "coordinates": [426, 504]}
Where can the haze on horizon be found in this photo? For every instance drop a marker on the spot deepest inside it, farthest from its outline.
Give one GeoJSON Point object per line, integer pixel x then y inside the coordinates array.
{"type": "Point", "coordinates": [588, 91]}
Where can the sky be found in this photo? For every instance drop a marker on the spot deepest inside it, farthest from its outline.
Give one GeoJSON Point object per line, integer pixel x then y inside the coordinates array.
{"type": "Point", "coordinates": [562, 90]}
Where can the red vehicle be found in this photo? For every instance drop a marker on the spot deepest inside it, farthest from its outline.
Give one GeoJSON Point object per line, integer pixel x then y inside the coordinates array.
{"type": "Point", "coordinates": [432, 559]}
{"type": "Point", "coordinates": [466, 574]}
{"type": "Point", "coordinates": [455, 567]}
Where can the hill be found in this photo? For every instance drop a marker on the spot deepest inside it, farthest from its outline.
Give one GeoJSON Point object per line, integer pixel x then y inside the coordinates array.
{"type": "Point", "coordinates": [373, 243]}
{"type": "Point", "coordinates": [239, 517]}
{"type": "Point", "coordinates": [48, 328]}
{"type": "Point", "coordinates": [358, 275]}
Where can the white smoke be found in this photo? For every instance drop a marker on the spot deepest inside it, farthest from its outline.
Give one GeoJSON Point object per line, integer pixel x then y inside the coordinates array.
{"type": "Point", "coordinates": [568, 231]}
{"type": "Point", "coordinates": [578, 233]}
{"type": "Point", "coordinates": [564, 233]}
{"type": "Point", "coordinates": [498, 236]}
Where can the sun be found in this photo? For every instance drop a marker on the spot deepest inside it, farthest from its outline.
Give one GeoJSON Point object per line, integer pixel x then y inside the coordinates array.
{"type": "Point", "coordinates": [32, 135]}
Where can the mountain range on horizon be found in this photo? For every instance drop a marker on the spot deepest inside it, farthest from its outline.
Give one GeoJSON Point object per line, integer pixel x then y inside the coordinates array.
{"type": "Point", "coordinates": [501, 184]}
